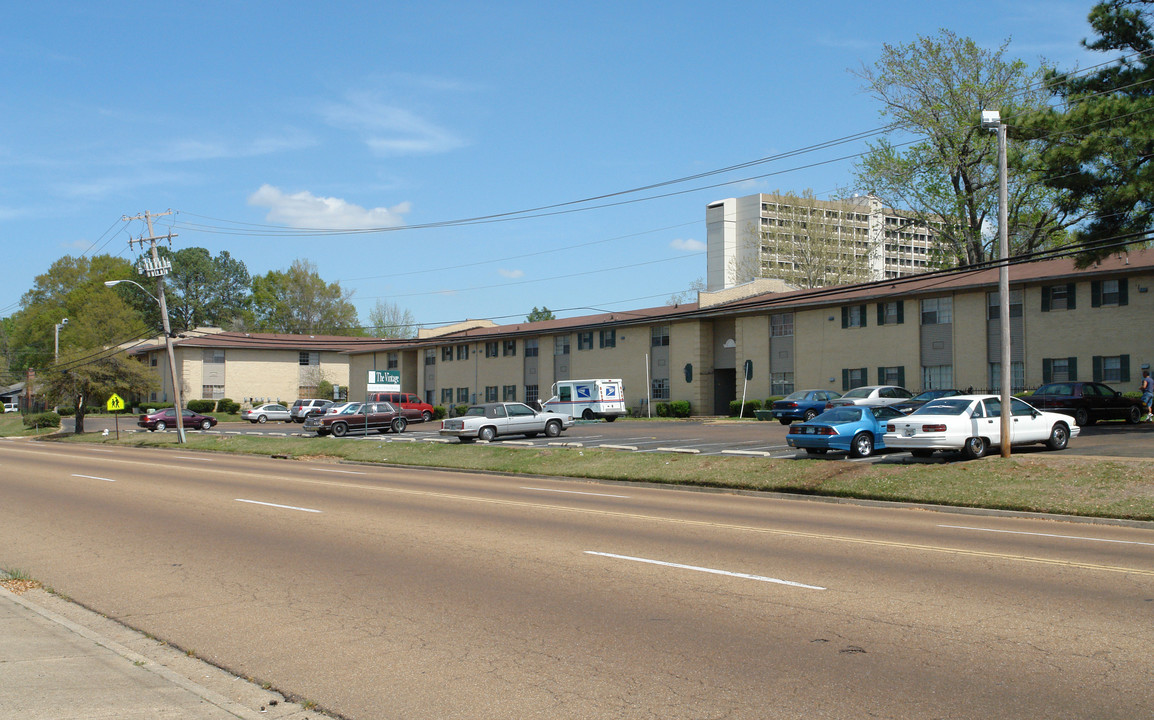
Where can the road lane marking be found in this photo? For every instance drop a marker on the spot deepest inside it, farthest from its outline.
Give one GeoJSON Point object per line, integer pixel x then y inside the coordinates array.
{"type": "Point", "coordinates": [1049, 535]}
{"type": "Point", "coordinates": [198, 459]}
{"type": "Point", "coordinates": [346, 472]}
{"type": "Point", "coordinates": [575, 492]}
{"type": "Point", "coordinates": [712, 571]}
{"type": "Point", "coordinates": [283, 507]}
{"type": "Point", "coordinates": [93, 477]}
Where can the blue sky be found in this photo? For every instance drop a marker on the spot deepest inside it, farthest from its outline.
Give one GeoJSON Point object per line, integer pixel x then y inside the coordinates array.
{"type": "Point", "coordinates": [254, 120]}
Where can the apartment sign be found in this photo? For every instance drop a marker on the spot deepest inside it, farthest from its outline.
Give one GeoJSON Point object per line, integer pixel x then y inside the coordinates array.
{"type": "Point", "coordinates": [384, 381]}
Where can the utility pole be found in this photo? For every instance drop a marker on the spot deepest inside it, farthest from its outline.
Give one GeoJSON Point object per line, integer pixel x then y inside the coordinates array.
{"type": "Point", "coordinates": [157, 268]}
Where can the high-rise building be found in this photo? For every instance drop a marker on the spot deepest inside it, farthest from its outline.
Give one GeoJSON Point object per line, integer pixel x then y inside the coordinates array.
{"type": "Point", "coordinates": [812, 243]}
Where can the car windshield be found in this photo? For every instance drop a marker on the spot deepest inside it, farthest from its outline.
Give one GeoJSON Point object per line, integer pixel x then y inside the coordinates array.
{"type": "Point", "coordinates": [799, 395]}
{"type": "Point", "coordinates": [476, 410]}
{"type": "Point", "coordinates": [929, 395]}
{"type": "Point", "coordinates": [944, 406]}
{"type": "Point", "coordinates": [351, 409]}
{"type": "Point", "coordinates": [839, 415]}
{"type": "Point", "coordinates": [861, 392]}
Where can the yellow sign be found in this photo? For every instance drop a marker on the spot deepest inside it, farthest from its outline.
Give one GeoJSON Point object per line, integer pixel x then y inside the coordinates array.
{"type": "Point", "coordinates": [115, 403]}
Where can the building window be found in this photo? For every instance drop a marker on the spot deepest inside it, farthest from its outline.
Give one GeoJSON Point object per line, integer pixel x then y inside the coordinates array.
{"type": "Point", "coordinates": [659, 336]}
{"type": "Point", "coordinates": [392, 361]}
{"type": "Point", "coordinates": [213, 357]}
{"type": "Point", "coordinates": [1112, 368]}
{"type": "Point", "coordinates": [531, 348]}
{"type": "Point", "coordinates": [937, 311]}
{"type": "Point", "coordinates": [853, 377]}
{"type": "Point", "coordinates": [585, 340]}
{"type": "Point", "coordinates": [447, 396]}
{"type": "Point", "coordinates": [780, 383]}
{"type": "Point", "coordinates": [462, 394]}
{"type": "Point", "coordinates": [660, 389]}
{"type": "Point", "coordinates": [309, 358]}
{"type": "Point", "coordinates": [608, 338]}
{"type": "Point", "coordinates": [462, 352]}
{"type": "Point", "coordinates": [430, 356]}
{"type": "Point", "coordinates": [1058, 297]}
{"type": "Point", "coordinates": [853, 316]}
{"type": "Point", "coordinates": [152, 362]}
{"type": "Point", "coordinates": [447, 354]}
{"type": "Point", "coordinates": [561, 345]}
{"type": "Point", "coordinates": [891, 313]}
{"type": "Point", "coordinates": [509, 348]}
{"type": "Point", "coordinates": [1017, 376]}
{"type": "Point", "coordinates": [212, 392]}
{"type": "Point", "coordinates": [429, 396]}
{"type": "Point", "coordinates": [1059, 369]}
{"type": "Point", "coordinates": [936, 377]}
{"type": "Point", "coordinates": [509, 393]}
{"type": "Point", "coordinates": [1108, 293]}
{"type": "Point", "coordinates": [491, 349]}
{"type": "Point", "coordinates": [781, 325]}
{"type": "Point", "coordinates": [895, 375]}
{"type": "Point", "coordinates": [490, 393]}
{"type": "Point", "coordinates": [994, 310]}
{"type": "Point", "coordinates": [530, 393]}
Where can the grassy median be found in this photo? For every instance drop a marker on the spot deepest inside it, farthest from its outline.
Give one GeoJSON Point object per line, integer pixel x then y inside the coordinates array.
{"type": "Point", "coordinates": [1032, 480]}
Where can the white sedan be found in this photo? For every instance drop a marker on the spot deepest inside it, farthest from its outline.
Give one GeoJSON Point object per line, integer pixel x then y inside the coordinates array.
{"type": "Point", "coordinates": [266, 412]}
{"type": "Point", "coordinates": [486, 422]}
{"type": "Point", "coordinates": [973, 424]}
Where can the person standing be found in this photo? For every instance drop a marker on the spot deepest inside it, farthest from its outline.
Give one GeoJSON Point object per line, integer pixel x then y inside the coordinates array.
{"type": "Point", "coordinates": [1148, 394]}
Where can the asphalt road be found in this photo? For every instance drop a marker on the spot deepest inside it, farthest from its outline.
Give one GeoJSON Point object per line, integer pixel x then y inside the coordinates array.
{"type": "Point", "coordinates": [407, 593]}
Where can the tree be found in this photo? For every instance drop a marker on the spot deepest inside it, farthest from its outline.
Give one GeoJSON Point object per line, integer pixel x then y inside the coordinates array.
{"type": "Point", "coordinates": [538, 315]}
{"type": "Point", "coordinates": [688, 296]}
{"type": "Point", "coordinates": [202, 290]}
{"type": "Point", "coordinates": [935, 88]}
{"type": "Point", "coordinates": [389, 320]}
{"type": "Point", "coordinates": [1099, 153]}
{"type": "Point", "coordinates": [91, 376]}
{"type": "Point", "coordinates": [298, 301]}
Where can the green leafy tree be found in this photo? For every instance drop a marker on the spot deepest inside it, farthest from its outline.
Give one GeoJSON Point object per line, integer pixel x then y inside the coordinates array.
{"type": "Point", "coordinates": [934, 89]}
{"type": "Point", "coordinates": [90, 376]}
{"type": "Point", "coordinates": [389, 320]}
{"type": "Point", "coordinates": [1099, 152]}
{"type": "Point", "coordinates": [538, 315]}
{"type": "Point", "coordinates": [299, 301]}
{"type": "Point", "coordinates": [200, 290]}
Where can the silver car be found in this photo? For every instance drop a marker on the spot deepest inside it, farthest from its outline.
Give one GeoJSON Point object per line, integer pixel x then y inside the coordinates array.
{"type": "Point", "coordinates": [486, 422]}
{"type": "Point", "coordinates": [873, 395]}
{"type": "Point", "coordinates": [266, 412]}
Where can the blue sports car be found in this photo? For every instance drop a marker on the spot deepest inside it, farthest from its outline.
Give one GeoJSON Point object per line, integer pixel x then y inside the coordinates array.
{"type": "Point", "coordinates": [854, 429]}
{"type": "Point", "coordinates": [802, 405]}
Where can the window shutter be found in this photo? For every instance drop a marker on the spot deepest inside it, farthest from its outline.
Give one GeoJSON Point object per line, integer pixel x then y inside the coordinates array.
{"type": "Point", "coordinates": [1073, 365]}
{"type": "Point", "coordinates": [865, 373]}
{"type": "Point", "coordinates": [1095, 293]}
{"type": "Point", "coordinates": [844, 379]}
{"type": "Point", "coordinates": [881, 375]}
{"type": "Point", "coordinates": [1124, 368]}
{"type": "Point", "coordinates": [1070, 304]}
{"type": "Point", "coordinates": [1123, 293]}
{"type": "Point", "coordinates": [901, 312]}
{"type": "Point", "coordinates": [1097, 368]}
{"type": "Point", "coordinates": [1045, 299]}
{"type": "Point", "coordinates": [881, 314]}
{"type": "Point", "coordinates": [1047, 370]}
{"type": "Point", "coordinates": [902, 376]}
{"type": "Point", "coordinates": [863, 314]}
{"type": "Point", "coordinates": [845, 317]}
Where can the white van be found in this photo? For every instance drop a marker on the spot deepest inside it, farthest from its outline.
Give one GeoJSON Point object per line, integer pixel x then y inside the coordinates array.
{"type": "Point", "coordinates": [588, 399]}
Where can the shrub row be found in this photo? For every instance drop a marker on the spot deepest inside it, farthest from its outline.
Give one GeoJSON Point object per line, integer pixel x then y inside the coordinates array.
{"type": "Point", "coordinates": [42, 420]}
{"type": "Point", "coordinates": [677, 409]}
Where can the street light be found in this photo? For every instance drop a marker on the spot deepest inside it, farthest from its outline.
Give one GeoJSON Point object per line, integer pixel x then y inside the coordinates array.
{"type": "Point", "coordinates": [168, 344]}
{"type": "Point", "coordinates": [56, 352]}
{"type": "Point", "coordinates": [992, 120]}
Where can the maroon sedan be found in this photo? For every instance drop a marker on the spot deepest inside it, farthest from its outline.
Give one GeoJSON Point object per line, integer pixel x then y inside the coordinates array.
{"type": "Point", "coordinates": [166, 418]}
{"type": "Point", "coordinates": [364, 417]}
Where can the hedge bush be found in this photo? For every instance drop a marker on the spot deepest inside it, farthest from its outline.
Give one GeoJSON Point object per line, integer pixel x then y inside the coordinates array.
{"type": "Point", "coordinates": [750, 407]}
{"type": "Point", "coordinates": [439, 412]}
{"type": "Point", "coordinates": [202, 406]}
{"type": "Point", "coordinates": [42, 420]}
{"type": "Point", "coordinates": [65, 411]}
{"type": "Point", "coordinates": [662, 409]}
{"type": "Point", "coordinates": [460, 409]}
{"type": "Point", "coordinates": [679, 408]}
{"type": "Point", "coordinates": [227, 406]}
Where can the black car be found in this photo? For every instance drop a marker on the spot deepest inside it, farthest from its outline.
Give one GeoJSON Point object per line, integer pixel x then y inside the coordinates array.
{"type": "Point", "coordinates": [1087, 402]}
{"type": "Point", "coordinates": [908, 406]}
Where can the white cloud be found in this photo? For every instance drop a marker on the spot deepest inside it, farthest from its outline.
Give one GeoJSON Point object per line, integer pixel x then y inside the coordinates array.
{"type": "Point", "coordinates": [305, 210]}
{"type": "Point", "coordinates": [511, 274]}
{"type": "Point", "coordinates": [390, 130]}
{"type": "Point", "coordinates": [688, 245]}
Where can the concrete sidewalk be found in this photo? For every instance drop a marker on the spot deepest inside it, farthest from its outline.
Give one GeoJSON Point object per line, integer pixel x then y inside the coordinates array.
{"type": "Point", "coordinates": [59, 661]}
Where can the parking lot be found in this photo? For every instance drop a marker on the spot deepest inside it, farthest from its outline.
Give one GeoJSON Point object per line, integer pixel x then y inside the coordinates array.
{"type": "Point", "coordinates": [695, 436]}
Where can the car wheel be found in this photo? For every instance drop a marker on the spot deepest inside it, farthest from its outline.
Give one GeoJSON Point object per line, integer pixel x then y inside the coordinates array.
{"type": "Point", "coordinates": [815, 451]}
{"type": "Point", "coordinates": [399, 425]}
{"type": "Point", "coordinates": [262, 419]}
{"type": "Point", "coordinates": [611, 418]}
{"type": "Point", "coordinates": [552, 428]}
{"type": "Point", "coordinates": [487, 434]}
{"type": "Point", "coordinates": [1134, 415]}
{"type": "Point", "coordinates": [206, 425]}
{"type": "Point", "coordinates": [427, 416]}
{"type": "Point", "coordinates": [862, 445]}
{"type": "Point", "coordinates": [1059, 437]}
{"type": "Point", "coordinates": [587, 415]}
{"type": "Point", "coordinates": [974, 448]}
{"type": "Point", "coordinates": [922, 453]}
{"type": "Point", "coordinates": [340, 429]}
{"type": "Point", "coordinates": [322, 433]}
{"type": "Point", "coordinates": [784, 421]}
{"type": "Point", "coordinates": [1082, 417]}
{"type": "Point", "coordinates": [162, 426]}
{"type": "Point", "coordinates": [810, 414]}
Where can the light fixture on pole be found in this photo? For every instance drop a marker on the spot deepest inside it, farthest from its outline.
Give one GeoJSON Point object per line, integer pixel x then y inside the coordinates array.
{"type": "Point", "coordinates": [56, 351]}
{"type": "Point", "coordinates": [171, 354]}
{"type": "Point", "coordinates": [992, 120]}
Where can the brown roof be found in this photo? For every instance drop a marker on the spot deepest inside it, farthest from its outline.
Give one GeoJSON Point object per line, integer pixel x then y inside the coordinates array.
{"type": "Point", "coordinates": [274, 341]}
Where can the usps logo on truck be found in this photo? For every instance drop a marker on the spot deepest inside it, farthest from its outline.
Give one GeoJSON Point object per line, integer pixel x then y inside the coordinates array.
{"type": "Point", "coordinates": [584, 392]}
{"type": "Point", "coordinates": [611, 391]}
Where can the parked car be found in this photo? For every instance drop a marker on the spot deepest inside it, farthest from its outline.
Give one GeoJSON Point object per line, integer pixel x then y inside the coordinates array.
{"type": "Point", "coordinates": [973, 424]}
{"type": "Point", "coordinates": [307, 407]}
{"type": "Point", "coordinates": [338, 408]}
{"type": "Point", "coordinates": [872, 395]}
{"type": "Point", "coordinates": [407, 401]}
{"type": "Point", "coordinates": [11, 407]}
{"type": "Point", "coordinates": [908, 406]}
{"type": "Point", "coordinates": [1087, 402]}
{"type": "Point", "coordinates": [854, 429]}
{"type": "Point", "coordinates": [488, 421]}
{"type": "Point", "coordinates": [266, 412]}
{"type": "Point", "coordinates": [379, 417]}
{"type": "Point", "coordinates": [802, 405]}
{"type": "Point", "coordinates": [166, 418]}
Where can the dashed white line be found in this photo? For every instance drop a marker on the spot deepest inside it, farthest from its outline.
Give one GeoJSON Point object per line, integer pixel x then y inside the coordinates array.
{"type": "Point", "coordinates": [283, 507]}
{"type": "Point", "coordinates": [745, 576]}
{"type": "Point", "coordinates": [1049, 535]}
{"type": "Point", "coordinates": [346, 472]}
{"type": "Point", "coordinates": [575, 492]}
{"type": "Point", "coordinates": [93, 477]}
{"type": "Point", "coordinates": [186, 457]}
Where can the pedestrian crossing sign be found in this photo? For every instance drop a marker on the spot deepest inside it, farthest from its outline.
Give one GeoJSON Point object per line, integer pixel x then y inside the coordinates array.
{"type": "Point", "coordinates": [115, 403]}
